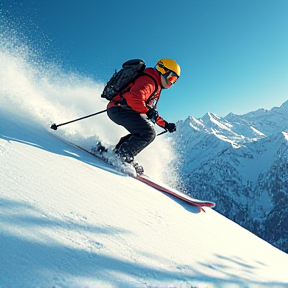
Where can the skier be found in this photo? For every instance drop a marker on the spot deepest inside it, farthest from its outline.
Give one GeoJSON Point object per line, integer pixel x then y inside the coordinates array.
{"type": "Point", "coordinates": [135, 109]}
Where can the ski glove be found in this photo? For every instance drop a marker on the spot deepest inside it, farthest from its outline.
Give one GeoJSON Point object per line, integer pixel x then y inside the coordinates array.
{"type": "Point", "coordinates": [171, 127]}
{"type": "Point", "coordinates": [152, 114]}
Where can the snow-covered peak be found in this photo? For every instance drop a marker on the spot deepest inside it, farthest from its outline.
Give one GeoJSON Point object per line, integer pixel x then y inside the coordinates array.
{"type": "Point", "coordinates": [284, 106]}
{"type": "Point", "coordinates": [242, 158]}
{"type": "Point", "coordinates": [238, 129]}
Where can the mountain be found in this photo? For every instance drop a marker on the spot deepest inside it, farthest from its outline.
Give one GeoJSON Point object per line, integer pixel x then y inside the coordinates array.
{"type": "Point", "coordinates": [68, 220]}
{"type": "Point", "coordinates": [241, 163]}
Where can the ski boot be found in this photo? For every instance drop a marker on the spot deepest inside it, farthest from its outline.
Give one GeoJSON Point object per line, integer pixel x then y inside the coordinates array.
{"type": "Point", "coordinates": [129, 160]}
{"type": "Point", "coordinates": [99, 150]}
{"type": "Point", "coordinates": [138, 168]}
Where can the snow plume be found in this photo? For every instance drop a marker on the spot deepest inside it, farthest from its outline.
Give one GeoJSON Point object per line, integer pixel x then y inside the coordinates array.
{"type": "Point", "coordinates": [43, 93]}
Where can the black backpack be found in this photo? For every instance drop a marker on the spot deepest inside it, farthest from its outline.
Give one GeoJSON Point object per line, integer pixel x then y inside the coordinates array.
{"type": "Point", "coordinates": [130, 71]}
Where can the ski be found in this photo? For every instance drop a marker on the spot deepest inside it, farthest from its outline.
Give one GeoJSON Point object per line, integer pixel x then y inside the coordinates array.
{"type": "Point", "coordinates": [200, 204]}
{"type": "Point", "coordinates": [180, 195]}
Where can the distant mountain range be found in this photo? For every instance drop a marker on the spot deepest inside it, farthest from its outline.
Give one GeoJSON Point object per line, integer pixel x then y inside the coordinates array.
{"type": "Point", "coordinates": [241, 163]}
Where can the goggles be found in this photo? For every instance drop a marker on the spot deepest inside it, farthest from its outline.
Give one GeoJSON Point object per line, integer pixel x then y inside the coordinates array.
{"type": "Point", "coordinates": [171, 77]}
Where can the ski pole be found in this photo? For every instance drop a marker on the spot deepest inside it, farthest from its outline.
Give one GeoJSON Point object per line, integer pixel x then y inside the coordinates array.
{"type": "Point", "coordinates": [162, 132]}
{"type": "Point", "coordinates": [54, 126]}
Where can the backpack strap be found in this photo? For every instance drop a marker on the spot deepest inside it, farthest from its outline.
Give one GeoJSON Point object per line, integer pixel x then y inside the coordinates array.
{"type": "Point", "coordinates": [156, 87]}
{"type": "Point", "coordinates": [129, 87]}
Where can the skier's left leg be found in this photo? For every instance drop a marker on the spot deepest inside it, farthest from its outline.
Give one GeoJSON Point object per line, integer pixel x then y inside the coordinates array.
{"type": "Point", "coordinates": [142, 132]}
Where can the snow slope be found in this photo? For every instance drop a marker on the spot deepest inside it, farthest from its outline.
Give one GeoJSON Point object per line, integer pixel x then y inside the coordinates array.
{"type": "Point", "coordinates": [67, 221]}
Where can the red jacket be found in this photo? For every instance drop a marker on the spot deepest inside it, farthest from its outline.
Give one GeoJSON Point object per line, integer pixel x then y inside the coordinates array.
{"type": "Point", "coordinates": [141, 90]}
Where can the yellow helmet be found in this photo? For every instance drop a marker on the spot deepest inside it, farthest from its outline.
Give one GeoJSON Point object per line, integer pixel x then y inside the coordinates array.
{"type": "Point", "coordinates": [164, 65]}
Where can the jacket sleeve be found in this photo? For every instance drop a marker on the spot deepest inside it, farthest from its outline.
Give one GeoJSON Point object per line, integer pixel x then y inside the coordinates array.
{"type": "Point", "coordinates": [160, 121]}
{"type": "Point", "coordinates": [139, 93]}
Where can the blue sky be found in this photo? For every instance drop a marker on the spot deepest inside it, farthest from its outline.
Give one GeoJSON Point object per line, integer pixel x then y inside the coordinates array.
{"type": "Point", "coordinates": [233, 53]}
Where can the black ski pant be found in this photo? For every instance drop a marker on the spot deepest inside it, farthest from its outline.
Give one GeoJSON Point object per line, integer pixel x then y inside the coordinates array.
{"type": "Point", "coordinates": [141, 130]}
